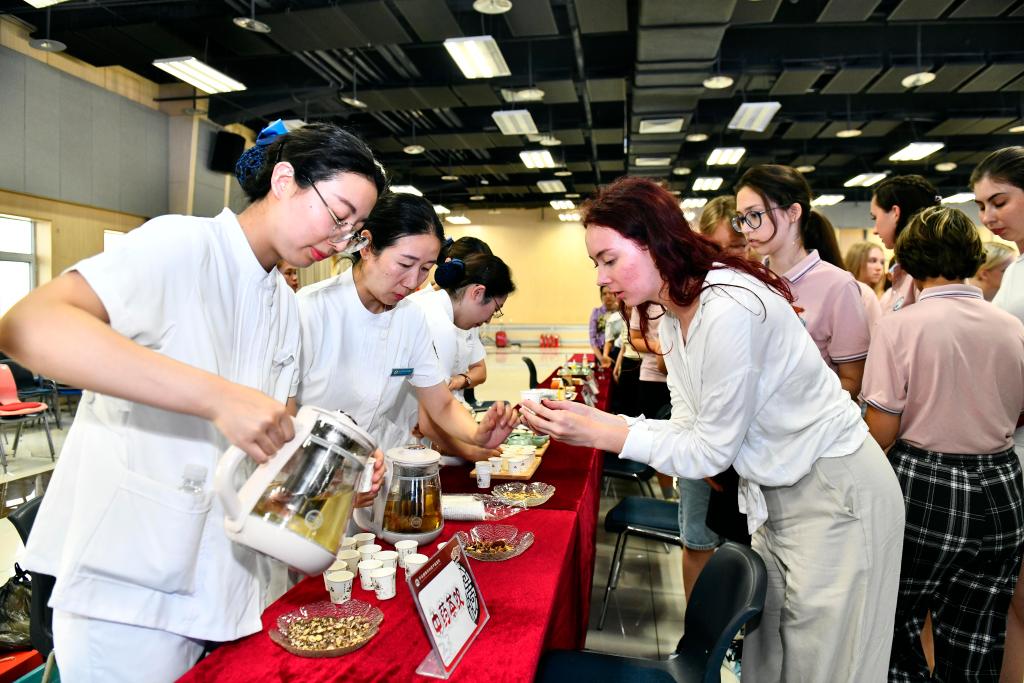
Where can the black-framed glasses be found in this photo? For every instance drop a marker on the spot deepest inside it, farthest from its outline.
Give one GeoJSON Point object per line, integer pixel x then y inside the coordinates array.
{"type": "Point", "coordinates": [751, 219]}
{"type": "Point", "coordinates": [497, 310]}
{"type": "Point", "coordinates": [343, 231]}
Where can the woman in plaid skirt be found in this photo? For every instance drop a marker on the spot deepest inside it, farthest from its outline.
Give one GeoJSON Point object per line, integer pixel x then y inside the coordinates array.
{"type": "Point", "coordinates": [944, 384]}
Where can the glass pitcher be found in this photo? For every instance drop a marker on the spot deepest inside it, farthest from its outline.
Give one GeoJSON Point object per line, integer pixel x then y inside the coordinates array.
{"type": "Point", "coordinates": [413, 504]}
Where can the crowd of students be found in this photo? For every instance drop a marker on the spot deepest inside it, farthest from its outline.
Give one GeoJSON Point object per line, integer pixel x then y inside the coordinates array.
{"type": "Point", "coordinates": [870, 435]}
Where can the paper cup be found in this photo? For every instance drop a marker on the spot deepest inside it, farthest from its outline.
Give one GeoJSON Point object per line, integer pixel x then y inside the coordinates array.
{"type": "Point", "coordinates": [387, 558]}
{"type": "Point", "coordinates": [384, 583]}
{"type": "Point", "coordinates": [339, 585]}
{"type": "Point", "coordinates": [351, 558]}
{"type": "Point", "coordinates": [483, 475]}
{"type": "Point", "coordinates": [405, 548]}
{"type": "Point", "coordinates": [366, 552]}
{"type": "Point", "coordinates": [366, 568]}
{"type": "Point", "coordinates": [495, 465]}
{"type": "Point", "coordinates": [347, 543]}
{"type": "Point", "coordinates": [414, 561]}
{"type": "Point", "coordinates": [364, 539]}
{"type": "Point", "coordinates": [338, 566]}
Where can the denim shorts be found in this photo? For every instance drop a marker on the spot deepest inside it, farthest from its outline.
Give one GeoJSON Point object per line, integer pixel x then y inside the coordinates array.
{"type": "Point", "coordinates": [693, 511]}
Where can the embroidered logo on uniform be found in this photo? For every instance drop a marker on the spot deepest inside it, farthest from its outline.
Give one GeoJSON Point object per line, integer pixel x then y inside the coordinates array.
{"type": "Point", "coordinates": [898, 305]}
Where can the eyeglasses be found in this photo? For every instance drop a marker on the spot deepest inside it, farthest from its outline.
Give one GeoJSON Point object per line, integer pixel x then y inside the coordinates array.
{"type": "Point", "coordinates": [497, 310]}
{"type": "Point", "coordinates": [751, 219]}
{"type": "Point", "coordinates": [343, 231]}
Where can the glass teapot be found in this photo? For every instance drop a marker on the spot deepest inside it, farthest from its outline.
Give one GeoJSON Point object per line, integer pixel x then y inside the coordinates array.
{"type": "Point", "coordinates": [295, 506]}
{"type": "Point", "coordinates": [411, 508]}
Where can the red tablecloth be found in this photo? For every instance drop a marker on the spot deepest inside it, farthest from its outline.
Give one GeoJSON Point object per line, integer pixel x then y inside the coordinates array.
{"type": "Point", "coordinates": [538, 601]}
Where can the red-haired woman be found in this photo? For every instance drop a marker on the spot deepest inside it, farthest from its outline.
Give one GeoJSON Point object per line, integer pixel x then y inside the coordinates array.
{"type": "Point", "coordinates": [750, 389]}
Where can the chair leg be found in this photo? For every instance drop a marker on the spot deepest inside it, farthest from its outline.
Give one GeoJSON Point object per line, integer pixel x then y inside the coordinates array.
{"type": "Point", "coordinates": [17, 438]}
{"type": "Point", "coordinates": [49, 438]}
{"type": "Point", "coordinates": [3, 456]}
{"type": "Point", "coordinates": [613, 576]}
{"type": "Point", "coordinates": [55, 408]}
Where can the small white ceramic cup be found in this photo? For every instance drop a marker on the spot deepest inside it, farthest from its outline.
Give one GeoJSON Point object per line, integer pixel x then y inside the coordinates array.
{"type": "Point", "coordinates": [337, 566]}
{"type": "Point", "coordinates": [365, 538]}
{"type": "Point", "coordinates": [414, 561]}
{"type": "Point", "coordinates": [367, 551]}
{"type": "Point", "coordinates": [405, 548]}
{"type": "Point", "coordinates": [387, 558]}
{"type": "Point", "coordinates": [339, 585]}
{"type": "Point", "coordinates": [384, 582]}
{"type": "Point", "coordinates": [366, 568]}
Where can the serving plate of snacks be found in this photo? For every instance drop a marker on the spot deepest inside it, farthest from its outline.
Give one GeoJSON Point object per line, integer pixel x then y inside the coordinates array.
{"type": "Point", "coordinates": [518, 493]}
{"type": "Point", "coordinates": [324, 629]}
{"type": "Point", "coordinates": [495, 542]}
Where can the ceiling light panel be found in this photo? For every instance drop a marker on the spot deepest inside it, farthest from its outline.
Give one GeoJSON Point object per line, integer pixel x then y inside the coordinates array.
{"type": "Point", "coordinates": [693, 203]}
{"type": "Point", "coordinates": [522, 95]}
{"type": "Point", "coordinates": [515, 122]}
{"type": "Point", "coordinates": [569, 217]}
{"type": "Point", "coordinates": [458, 220]}
{"type": "Point", "coordinates": [726, 156]}
{"type": "Point", "coordinates": [441, 209]}
{"type": "Point", "coordinates": [652, 161]}
{"type": "Point", "coordinates": [405, 189]}
{"type": "Point", "coordinates": [865, 179]}
{"type": "Point", "coordinates": [198, 74]}
{"type": "Point", "coordinates": [654, 126]}
{"type": "Point", "coordinates": [562, 204]}
{"type": "Point", "coordinates": [537, 158]}
{"type": "Point", "coordinates": [550, 186]}
{"type": "Point", "coordinates": [959, 198]}
{"type": "Point", "coordinates": [916, 151]}
{"type": "Point", "coordinates": [477, 56]}
{"type": "Point", "coordinates": [754, 116]}
{"type": "Point", "coordinates": [707, 184]}
{"type": "Point", "coordinates": [827, 200]}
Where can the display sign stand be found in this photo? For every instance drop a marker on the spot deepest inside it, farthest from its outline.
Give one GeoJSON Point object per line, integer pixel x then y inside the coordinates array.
{"type": "Point", "coordinates": [450, 606]}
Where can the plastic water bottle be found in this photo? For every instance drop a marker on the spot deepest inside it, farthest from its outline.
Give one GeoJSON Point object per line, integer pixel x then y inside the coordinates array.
{"type": "Point", "coordinates": [193, 479]}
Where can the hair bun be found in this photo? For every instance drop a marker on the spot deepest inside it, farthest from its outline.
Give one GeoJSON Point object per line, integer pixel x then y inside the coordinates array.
{"type": "Point", "coordinates": [449, 274]}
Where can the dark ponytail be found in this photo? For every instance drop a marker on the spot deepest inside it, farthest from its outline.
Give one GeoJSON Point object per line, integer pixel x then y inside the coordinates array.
{"type": "Point", "coordinates": [477, 269]}
{"type": "Point", "coordinates": [819, 233]}
{"type": "Point", "coordinates": [909, 192]}
{"type": "Point", "coordinates": [451, 261]}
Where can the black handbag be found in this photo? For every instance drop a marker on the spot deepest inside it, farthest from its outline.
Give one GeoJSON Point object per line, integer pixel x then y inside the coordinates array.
{"type": "Point", "coordinates": [15, 607]}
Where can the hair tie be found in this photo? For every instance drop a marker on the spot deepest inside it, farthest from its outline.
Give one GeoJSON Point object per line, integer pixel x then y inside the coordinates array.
{"type": "Point", "coordinates": [251, 162]}
{"type": "Point", "coordinates": [449, 274]}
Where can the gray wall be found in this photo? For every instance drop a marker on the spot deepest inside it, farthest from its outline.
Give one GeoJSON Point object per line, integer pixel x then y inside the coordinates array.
{"type": "Point", "coordinates": [63, 138]}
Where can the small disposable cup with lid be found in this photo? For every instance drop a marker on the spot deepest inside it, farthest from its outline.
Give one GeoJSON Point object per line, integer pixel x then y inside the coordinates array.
{"type": "Point", "coordinates": [384, 582]}
{"type": "Point", "coordinates": [366, 568]}
{"type": "Point", "coordinates": [339, 585]}
{"type": "Point", "coordinates": [387, 558]}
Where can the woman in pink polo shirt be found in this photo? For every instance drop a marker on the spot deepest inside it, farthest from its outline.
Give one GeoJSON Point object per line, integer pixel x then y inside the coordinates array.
{"type": "Point", "coordinates": [773, 210]}
{"type": "Point", "coordinates": [893, 203]}
{"type": "Point", "coordinates": [866, 262]}
{"type": "Point", "coordinates": [947, 414]}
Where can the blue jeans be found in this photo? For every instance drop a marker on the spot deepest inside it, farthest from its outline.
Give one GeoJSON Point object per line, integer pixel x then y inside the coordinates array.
{"type": "Point", "coordinates": [693, 510]}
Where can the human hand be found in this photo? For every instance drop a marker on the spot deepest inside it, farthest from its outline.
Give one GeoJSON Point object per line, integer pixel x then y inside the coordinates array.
{"type": "Point", "coordinates": [715, 486]}
{"type": "Point", "coordinates": [572, 423]}
{"type": "Point", "coordinates": [617, 372]}
{"type": "Point", "coordinates": [497, 423]}
{"type": "Point", "coordinates": [606, 362]}
{"type": "Point", "coordinates": [252, 421]}
{"type": "Point", "coordinates": [366, 499]}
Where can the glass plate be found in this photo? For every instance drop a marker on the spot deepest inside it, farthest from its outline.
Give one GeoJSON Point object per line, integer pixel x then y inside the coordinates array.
{"type": "Point", "coordinates": [496, 532]}
{"type": "Point", "coordinates": [352, 608]}
{"type": "Point", "coordinates": [520, 493]}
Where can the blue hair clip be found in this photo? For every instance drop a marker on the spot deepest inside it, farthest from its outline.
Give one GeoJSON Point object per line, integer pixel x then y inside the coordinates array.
{"type": "Point", "coordinates": [268, 134]}
{"type": "Point", "coordinates": [249, 164]}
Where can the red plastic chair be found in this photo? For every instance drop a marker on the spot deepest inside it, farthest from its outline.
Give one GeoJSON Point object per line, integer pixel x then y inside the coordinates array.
{"type": "Point", "coordinates": [14, 411]}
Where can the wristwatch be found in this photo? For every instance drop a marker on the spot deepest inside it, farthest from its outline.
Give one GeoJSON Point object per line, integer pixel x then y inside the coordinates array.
{"type": "Point", "coordinates": [469, 382]}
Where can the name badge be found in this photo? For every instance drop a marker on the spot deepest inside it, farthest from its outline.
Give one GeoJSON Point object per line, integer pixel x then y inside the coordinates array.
{"type": "Point", "coordinates": [401, 372]}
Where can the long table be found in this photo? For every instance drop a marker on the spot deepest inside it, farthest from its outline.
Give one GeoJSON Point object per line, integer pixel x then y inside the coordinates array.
{"type": "Point", "coordinates": [538, 601]}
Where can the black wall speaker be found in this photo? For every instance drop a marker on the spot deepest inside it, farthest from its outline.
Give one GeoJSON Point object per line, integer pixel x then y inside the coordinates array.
{"type": "Point", "coordinates": [224, 151]}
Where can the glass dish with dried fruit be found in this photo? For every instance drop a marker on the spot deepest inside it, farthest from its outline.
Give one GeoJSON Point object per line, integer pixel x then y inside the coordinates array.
{"type": "Point", "coordinates": [324, 629]}
{"type": "Point", "coordinates": [495, 542]}
{"type": "Point", "coordinates": [520, 493]}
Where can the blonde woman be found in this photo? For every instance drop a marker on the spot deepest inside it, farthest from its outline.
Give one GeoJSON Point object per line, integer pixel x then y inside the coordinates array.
{"type": "Point", "coordinates": [714, 224]}
{"type": "Point", "coordinates": [989, 277]}
{"type": "Point", "coordinates": [866, 262]}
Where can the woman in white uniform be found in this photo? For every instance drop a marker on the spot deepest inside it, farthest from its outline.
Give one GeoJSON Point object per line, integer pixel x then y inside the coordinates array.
{"type": "Point", "coordinates": [750, 389]}
{"type": "Point", "coordinates": [186, 340]}
{"type": "Point", "coordinates": [359, 347]}
{"type": "Point", "coordinates": [472, 292]}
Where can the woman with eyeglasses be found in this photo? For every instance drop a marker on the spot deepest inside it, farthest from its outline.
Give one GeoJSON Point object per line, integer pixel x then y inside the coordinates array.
{"type": "Point", "coordinates": [360, 347]}
{"type": "Point", "coordinates": [750, 389]}
{"type": "Point", "coordinates": [774, 212]}
{"type": "Point", "coordinates": [894, 202]}
{"type": "Point", "coordinates": [472, 292]}
{"type": "Point", "coordinates": [186, 339]}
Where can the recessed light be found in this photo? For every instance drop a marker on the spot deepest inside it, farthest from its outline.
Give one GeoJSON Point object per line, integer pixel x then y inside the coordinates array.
{"type": "Point", "coordinates": [916, 151]}
{"type": "Point", "coordinates": [353, 102]}
{"type": "Point", "coordinates": [572, 195]}
{"type": "Point", "coordinates": [563, 174]}
{"type": "Point", "coordinates": [1016, 129]}
{"type": "Point", "coordinates": [696, 137]}
{"type": "Point", "coordinates": [865, 179]}
{"type": "Point", "coordinates": [441, 209]}
{"type": "Point", "coordinates": [652, 126]}
{"type": "Point", "coordinates": [693, 203]}
{"type": "Point", "coordinates": [916, 80]}
{"type": "Point", "coordinates": [251, 24]}
{"type": "Point", "coordinates": [807, 168]}
{"type": "Point", "coordinates": [719, 82]}
{"type": "Point", "coordinates": [754, 116]}
{"type": "Point", "coordinates": [476, 198]}
{"type": "Point", "coordinates": [551, 186]}
{"type": "Point", "coordinates": [959, 198]}
{"type": "Point", "coordinates": [562, 204]}
{"type": "Point", "coordinates": [549, 141]}
{"type": "Point", "coordinates": [652, 161]}
{"type": "Point", "coordinates": [477, 56]}
{"type": "Point", "coordinates": [707, 184]}
{"type": "Point", "coordinates": [682, 170]}
{"type": "Point", "coordinates": [569, 217]}
{"type": "Point", "coordinates": [537, 158]}
{"type": "Point", "coordinates": [449, 178]}
{"type": "Point", "coordinates": [414, 149]}
{"type": "Point", "coordinates": [848, 133]}
{"type": "Point", "coordinates": [514, 121]}
{"type": "Point", "coordinates": [492, 6]}
{"type": "Point", "coordinates": [522, 95]}
{"type": "Point", "coordinates": [945, 166]}
{"type": "Point", "coordinates": [725, 156]}
{"type": "Point", "coordinates": [198, 74]}
{"type": "Point", "coordinates": [458, 220]}
{"type": "Point", "coordinates": [827, 200]}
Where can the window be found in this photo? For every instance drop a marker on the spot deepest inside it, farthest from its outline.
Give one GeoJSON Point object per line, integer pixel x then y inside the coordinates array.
{"type": "Point", "coordinates": [17, 260]}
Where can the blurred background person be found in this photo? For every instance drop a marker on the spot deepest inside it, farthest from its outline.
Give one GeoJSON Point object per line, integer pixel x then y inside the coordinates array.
{"type": "Point", "coordinates": [598, 317]}
{"type": "Point", "coordinates": [989, 277]}
{"type": "Point", "coordinates": [866, 262]}
{"type": "Point", "coordinates": [290, 273]}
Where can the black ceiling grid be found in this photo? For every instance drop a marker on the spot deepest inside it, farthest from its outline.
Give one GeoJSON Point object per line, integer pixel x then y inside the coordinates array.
{"type": "Point", "coordinates": [606, 67]}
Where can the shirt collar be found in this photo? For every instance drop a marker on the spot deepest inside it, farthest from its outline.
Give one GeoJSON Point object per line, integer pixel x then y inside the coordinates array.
{"type": "Point", "coordinates": [966, 291]}
{"type": "Point", "coordinates": [803, 267]}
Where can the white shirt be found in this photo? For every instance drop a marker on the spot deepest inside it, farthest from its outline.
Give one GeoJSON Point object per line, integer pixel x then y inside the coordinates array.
{"type": "Point", "coordinates": [613, 327]}
{"type": "Point", "coordinates": [749, 389]}
{"type": "Point", "coordinates": [357, 361]}
{"type": "Point", "coordinates": [123, 542]}
{"type": "Point", "coordinates": [1010, 298]}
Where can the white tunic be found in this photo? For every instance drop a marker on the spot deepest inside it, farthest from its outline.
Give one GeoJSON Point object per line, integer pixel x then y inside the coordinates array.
{"type": "Point", "coordinates": [124, 543]}
{"type": "Point", "coordinates": [749, 389]}
{"type": "Point", "coordinates": [357, 361]}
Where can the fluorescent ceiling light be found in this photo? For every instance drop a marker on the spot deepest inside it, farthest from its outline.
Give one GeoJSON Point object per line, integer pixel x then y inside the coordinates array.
{"type": "Point", "coordinates": [476, 198]}
{"type": "Point", "coordinates": [945, 166]}
{"type": "Point", "coordinates": [405, 189]}
{"type": "Point", "coordinates": [441, 210]}
{"type": "Point", "coordinates": [449, 178]}
{"type": "Point", "coordinates": [652, 161]}
{"type": "Point", "coordinates": [458, 220]}
{"type": "Point", "coordinates": [693, 203]}
{"type": "Point", "coordinates": [848, 133]}
{"type": "Point", "coordinates": [414, 149]}
{"type": "Point", "coordinates": [696, 137]}
{"type": "Point", "coordinates": [572, 195]}
{"type": "Point", "coordinates": [865, 179]}
{"type": "Point", "coordinates": [515, 122]}
{"type": "Point", "coordinates": [522, 95]}
{"type": "Point", "coordinates": [571, 217]}
{"type": "Point", "coordinates": [754, 116]}
{"type": "Point", "coordinates": [563, 174]}
{"type": "Point", "coordinates": [40, 4]}
{"type": "Point", "coordinates": [706, 184]}
{"type": "Point", "coordinates": [549, 186]}
{"type": "Point", "coordinates": [726, 156]}
{"type": "Point", "coordinates": [651, 126]}
{"type": "Point", "coordinates": [198, 74]}
{"type": "Point", "coordinates": [477, 56]}
{"type": "Point", "coordinates": [916, 151]}
{"type": "Point", "coordinates": [719, 82]}
{"type": "Point", "coordinates": [562, 204]}
{"type": "Point", "coordinates": [916, 80]}
{"type": "Point", "coordinates": [537, 158]}
{"type": "Point", "coordinates": [827, 200]}
{"type": "Point", "coordinates": [959, 198]}
{"type": "Point", "coordinates": [682, 170]}
{"type": "Point", "coordinates": [808, 168]}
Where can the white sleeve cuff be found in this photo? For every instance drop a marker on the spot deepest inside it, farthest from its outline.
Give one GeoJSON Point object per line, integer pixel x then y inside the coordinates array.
{"type": "Point", "coordinates": [639, 443]}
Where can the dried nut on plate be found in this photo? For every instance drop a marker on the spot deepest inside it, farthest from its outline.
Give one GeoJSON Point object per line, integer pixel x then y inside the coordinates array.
{"type": "Point", "coordinates": [490, 547]}
{"type": "Point", "coordinates": [328, 633]}
{"type": "Point", "coordinates": [529, 494]}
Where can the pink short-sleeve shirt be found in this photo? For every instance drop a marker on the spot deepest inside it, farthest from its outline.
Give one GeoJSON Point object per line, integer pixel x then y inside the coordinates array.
{"type": "Point", "coordinates": [902, 293]}
{"type": "Point", "coordinates": [952, 366]}
{"type": "Point", "coordinates": [829, 303]}
{"type": "Point", "coordinates": [871, 306]}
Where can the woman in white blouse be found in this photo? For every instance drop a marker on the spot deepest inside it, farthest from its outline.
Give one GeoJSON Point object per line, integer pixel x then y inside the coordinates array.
{"type": "Point", "coordinates": [750, 389]}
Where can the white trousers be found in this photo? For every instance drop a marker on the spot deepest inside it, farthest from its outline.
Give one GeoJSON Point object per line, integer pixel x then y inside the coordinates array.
{"type": "Point", "coordinates": [832, 545]}
{"type": "Point", "coordinates": [97, 651]}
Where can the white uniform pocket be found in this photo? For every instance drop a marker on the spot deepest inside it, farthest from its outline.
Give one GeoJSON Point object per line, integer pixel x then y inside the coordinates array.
{"type": "Point", "coordinates": [148, 536]}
